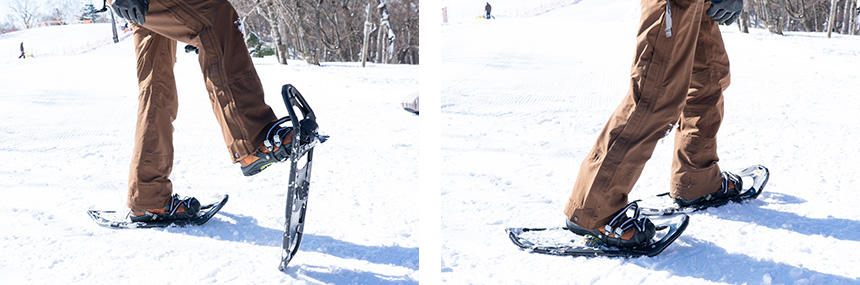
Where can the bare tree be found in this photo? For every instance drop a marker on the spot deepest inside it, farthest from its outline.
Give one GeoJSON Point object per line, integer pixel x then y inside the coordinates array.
{"type": "Point", "coordinates": [27, 10]}
{"type": "Point", "coordinates": [6, 27]}
{"type": "Point", "coordinates": [63, 11]}
{"type": "Point", "coordinates": [333, 30]}
{"type": "Point", "coordinates": [801, 15]}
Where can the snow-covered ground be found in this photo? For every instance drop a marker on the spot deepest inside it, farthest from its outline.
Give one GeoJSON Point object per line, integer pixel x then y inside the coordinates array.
{"type": "Point", "coordinates": [463, 11]}
{"type": "Point", "coordinates": [57, 40]}
{"type": "Point", "coordinates": [66, 129]}
{"type": "Point", "coordinates": [525, 97]}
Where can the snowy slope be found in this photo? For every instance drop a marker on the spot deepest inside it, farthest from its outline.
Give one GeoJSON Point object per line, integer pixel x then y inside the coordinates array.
{"type": "Point", "coordinates": [57, 40]}
{"type": "Point", "coordinates": [525, 98]}
{"type": "Point", "coordinates": [460, 11]}
{"type": "Point", "coordinates": [66, 129]}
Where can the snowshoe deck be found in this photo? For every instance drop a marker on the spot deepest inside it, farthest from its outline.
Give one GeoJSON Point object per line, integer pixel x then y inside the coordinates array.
{"type": "Point", "coordinates": [754, 180]}
{"type": "Point", "coordinates": [112, 219]}
{"type": "Point", "coordinates": [561, 241]}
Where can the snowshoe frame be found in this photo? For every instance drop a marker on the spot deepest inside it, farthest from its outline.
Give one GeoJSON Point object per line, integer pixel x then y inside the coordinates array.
{"type": "Point", "coordinates": [299, 180]}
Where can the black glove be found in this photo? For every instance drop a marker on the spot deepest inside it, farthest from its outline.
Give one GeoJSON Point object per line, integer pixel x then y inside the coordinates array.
{"type": "Point", "coordinates": [725, 11]}
{"type": "Point", "coordinates": [132, 10]}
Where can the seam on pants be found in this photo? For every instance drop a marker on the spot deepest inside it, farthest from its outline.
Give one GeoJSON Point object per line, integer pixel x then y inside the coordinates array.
{"type": "Point", "coordinates": [642, 109]}
{"type": "Point", "coordinates": [206, 36]}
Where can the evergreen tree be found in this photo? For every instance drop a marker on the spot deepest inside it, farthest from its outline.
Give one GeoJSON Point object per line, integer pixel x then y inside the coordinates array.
{"type": "Point", "coordinates": [89, 13]}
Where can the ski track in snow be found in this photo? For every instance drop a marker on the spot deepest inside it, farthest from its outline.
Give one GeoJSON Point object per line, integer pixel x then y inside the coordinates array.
{"type": "Point", "coordinates": [67, 126]}
{"type": "Point", "coordinates": [525, 98]}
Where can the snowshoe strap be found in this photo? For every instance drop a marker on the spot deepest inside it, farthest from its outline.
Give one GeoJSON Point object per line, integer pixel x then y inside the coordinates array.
{"type": "Point", "coordinates": [269, 142]}
{"type": "Point", "coordinates": [622, 222]}
{"type": "Point", "coordinates": [731, 178]}
{"type": "Point", "coordinates": [175, 202]}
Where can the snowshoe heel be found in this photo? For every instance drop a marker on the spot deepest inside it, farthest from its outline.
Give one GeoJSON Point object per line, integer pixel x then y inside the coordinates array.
{"type": "Point", "coordinates": [176, 209]}
{"type": "Point", "coordinates": [732, 186]}
{"type": "Point", "coordinates": [625, 230]}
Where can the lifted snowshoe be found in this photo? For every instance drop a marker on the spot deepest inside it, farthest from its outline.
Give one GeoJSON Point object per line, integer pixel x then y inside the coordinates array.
{"type": "Point", "coordinates": [300, 158]}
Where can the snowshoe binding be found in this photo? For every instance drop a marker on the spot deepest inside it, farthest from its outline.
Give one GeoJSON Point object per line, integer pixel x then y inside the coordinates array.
{"type": "Point", "coordinates": [176, 209]}
{"type": "Point", "coordinates": [623, 231]}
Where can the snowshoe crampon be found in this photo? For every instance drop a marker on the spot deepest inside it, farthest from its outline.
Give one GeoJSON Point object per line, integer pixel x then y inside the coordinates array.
{"type": "Point", "coordinates": [301, 117]}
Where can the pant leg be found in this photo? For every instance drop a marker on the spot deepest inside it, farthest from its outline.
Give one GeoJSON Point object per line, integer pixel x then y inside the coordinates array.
{"type": "Point", "coordinates": [152, 160]}
{"type": "Point", "coordinates": [235, 90]}
{"type": "Point", "coordinates": [695, 172]}
{"type": "Point", "coordinates": [658, 85]}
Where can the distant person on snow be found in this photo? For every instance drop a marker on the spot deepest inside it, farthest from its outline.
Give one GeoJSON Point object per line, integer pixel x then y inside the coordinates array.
{"type": "Point", "coordinates": [23, 54]}
{"type": "Point", "coordinates": [488, 9]}
{"type": "Point", "coordinates": [679, 73]}
{"type": "Point", "coordinates": [235, 92]}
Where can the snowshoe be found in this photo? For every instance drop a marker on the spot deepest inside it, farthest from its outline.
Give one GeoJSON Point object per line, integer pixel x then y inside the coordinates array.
{"type": "Point", "coordinates": [113, 219]}
{"type": "Point", "coordinates": [299, 153]}
{"type": "Point", "coordinates": [563, 241]}
{"type": "Point", "coordinates": [747, 184]}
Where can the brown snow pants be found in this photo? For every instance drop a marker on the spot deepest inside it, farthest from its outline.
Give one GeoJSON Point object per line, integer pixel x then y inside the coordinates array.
{"type": "Point", "coordinates": [234, 89]}
{"type": "Point", "coordinates": [675, 80]}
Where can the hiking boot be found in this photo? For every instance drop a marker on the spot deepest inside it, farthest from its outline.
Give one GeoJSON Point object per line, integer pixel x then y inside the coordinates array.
{"type": "Point", "coordinates": [176, 209]}
{"type": "Point", "coordinates": [731, 186]}
{"type": "Point", "coordinates": [268, 153]}
{"type": "Point", "coordinates": [623, 231]}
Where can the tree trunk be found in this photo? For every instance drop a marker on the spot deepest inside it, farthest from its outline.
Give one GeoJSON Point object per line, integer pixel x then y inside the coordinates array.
{"type": "Point", "coordinates": [382, 43]}
{"type": "Point", "coordinates": [744, 22]}
{"type": "Point", "coordinates": [831, 18]}
{"type": "Point", "coordinates": [367, 26]}
{"type": "Point", "coordinates": [850, 17]}
{"type": "Point", "coordinates": [274, 29]}
{"type": "Point", "coordinates": [853, 11]}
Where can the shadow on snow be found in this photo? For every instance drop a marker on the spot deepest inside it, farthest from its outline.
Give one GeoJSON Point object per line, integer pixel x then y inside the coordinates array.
{"type": "Point", "coordinates": [247, 230]}
{"type": "Point", "coordinates": [703, 259]}
{"type": "Point", "coordinates": [754, 213]}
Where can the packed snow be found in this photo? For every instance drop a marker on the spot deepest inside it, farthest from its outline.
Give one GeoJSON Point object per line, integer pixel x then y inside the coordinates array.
{"type": "Point", "coordinates": [525, 97]}
{"type": "Point", "coordinates": [67, 125]}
